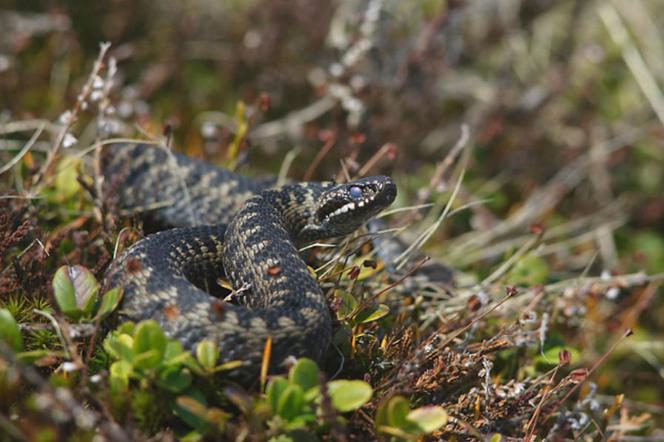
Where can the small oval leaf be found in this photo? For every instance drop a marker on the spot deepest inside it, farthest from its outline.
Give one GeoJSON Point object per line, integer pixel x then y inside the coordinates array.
{"type": "Point", "coordinates": [207, 353]}
{"type": "Point", "coordinates": [174, 354]}
{"type": "Point", "coordinates": [149, 340]}
{"type": "Point", "coordinates": [75, 289]}
{"type": "Point", "coordinates": [109, 302]}
{"type": "Point", "coordinates": [175, 379]}
{"type": "Point", "coordinates": [119, 375]}
{"type": "Point", "coordinates": [428, 419]}
{"type": "Point", "coordinates": [305, 373]}
{"type": "Point", "coordinates": [397, 411]}
{"type": "Point", "coordinates": [63, 291]}
{"type": "Point", "coordinates": [10, 331]}
{"type": "Point", "coordinates": [192, 409]}
{"type": "Point", "coordinates": [347, 305]}
{"type": "Point", "coordinates": [348, 395]}
{"type": "Point", "coordinates": [275, 389]}
{"type": "Point", "coordinates": [372, 313]}
{"type": "Point", "coordinates": [290, 402]}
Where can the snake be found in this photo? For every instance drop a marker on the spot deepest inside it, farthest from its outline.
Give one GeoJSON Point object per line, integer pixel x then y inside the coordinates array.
{"type": "Point", "coordinates": [246, 230]}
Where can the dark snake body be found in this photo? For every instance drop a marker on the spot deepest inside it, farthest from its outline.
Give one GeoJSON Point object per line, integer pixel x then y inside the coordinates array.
{"type": "Point", "coordinates": [250, 234]}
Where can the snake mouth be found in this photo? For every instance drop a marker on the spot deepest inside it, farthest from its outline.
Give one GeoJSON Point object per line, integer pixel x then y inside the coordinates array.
{"type": "Point", "coordinates": [357, 200]}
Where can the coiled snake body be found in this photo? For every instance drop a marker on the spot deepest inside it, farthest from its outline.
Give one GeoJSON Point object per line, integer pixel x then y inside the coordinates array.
{"type": "Point", "coordinates": [251, 234]}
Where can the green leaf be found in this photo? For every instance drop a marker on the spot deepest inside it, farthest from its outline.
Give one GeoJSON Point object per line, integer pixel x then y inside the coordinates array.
{"type": "Point", "coordinates": [192, 409]}
{"type": "Point", "coordinates": [230, 365]}
{"type": "Point", "coordinates": [63, 291]}
{"type": "Point", "coordinates": [10, 331]}
{"type": "Point", "coordinates": [119, 346]}
{"type": "Point", "coordinates": [305, 373]}
{"type": "Point", "coordinates": [207, 353]}
{"type": "Point", "coordinates": [348, 304]}
{"type": "Point", "coordinates": [281, 438]}
{"type": "Point", "coordinates": [382, 418]}
{"type": "Point", "coordinates": [349, 395]}
{"type": "Point", "coordinates": [397, 412]}
{"type": "Point", "coordinates": [127, 328]}
{"type": "Point", "coordinates": [372, 313]}
{"type": "Point", "coordinates": [192, 436]}
{"type": "Point", "coordinates": [175, 379]}
{"type": "Point", "coordinates": [29, 357]}
{"type": "Point", "coordinates": [75, 290]}
{"type": "Point", "coordinates": [428, 419]}
{"type": "Point", "coordinates": [175, 355]}
{"type": "Point", "coordinates": [275, 389]}
{"type": "Point", "coordinates": [66, 182]}
{"type": "Point", "coordinates": [149, 344]}
{"type": "Point", "coordinates": [290, 402]}
{"type": "Point", "coordinates": [119, 375]}
{"type": "Point", "coordinates": [109, 302]}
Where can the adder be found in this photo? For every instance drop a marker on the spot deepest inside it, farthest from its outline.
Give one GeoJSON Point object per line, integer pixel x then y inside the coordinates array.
{"type": "Point", "coordinates": [238, 227]}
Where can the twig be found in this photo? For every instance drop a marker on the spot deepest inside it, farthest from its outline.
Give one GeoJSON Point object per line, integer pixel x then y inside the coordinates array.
{"type": "Point", "coordinates": [71, 119]}
{"type": "Point", "coordinates": [541, 200]}
{"type": "Point", "coordinates": [27, 125]}
{"type": "Point", "coordinates": [630, 53]}
{"type": "Point", "coordinates": [23, 151]}
{"type": "Point", "coordinates": [330, 141]}
{"type": "Point", "coordinates": [286, 164]}
{"type": "Point", "coordinates": [592, 369]}
{"type": "Point", "coordinates": [386, 150]}
{"type": "Point", "coordinates": [507, 264]}
{"type": "Point", "coordinates": [530, 428]}
{"type": "Point", "coordinates": [180, 176]}
{"type": "Point", "coordinates": [567, 230]}
{"type": "Point", "coordinates": [443, 166]}
{"type": "Point", "coordinates": [426, 234]}
{"type": "Point", "coordinates": [293, 120]}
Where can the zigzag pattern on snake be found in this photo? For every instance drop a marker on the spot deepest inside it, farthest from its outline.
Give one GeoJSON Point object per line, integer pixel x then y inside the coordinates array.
{"type": "Point", "coordinates": [250, 234]}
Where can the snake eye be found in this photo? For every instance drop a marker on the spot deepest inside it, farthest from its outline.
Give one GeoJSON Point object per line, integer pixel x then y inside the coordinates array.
{"type": "Point", "coordinates": [355, 192]}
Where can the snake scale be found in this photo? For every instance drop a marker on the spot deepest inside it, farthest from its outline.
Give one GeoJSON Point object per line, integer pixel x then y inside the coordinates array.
{"type": "Point", "coordinates": [243, 229]}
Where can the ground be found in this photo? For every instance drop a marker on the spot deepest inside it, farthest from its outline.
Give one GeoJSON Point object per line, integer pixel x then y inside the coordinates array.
{"type": "Point", "coordinates": [526, 141]}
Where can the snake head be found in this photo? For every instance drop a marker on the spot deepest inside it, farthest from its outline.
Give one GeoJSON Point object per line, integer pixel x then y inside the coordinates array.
{"type": "Point", "coordinates": [343, 208]}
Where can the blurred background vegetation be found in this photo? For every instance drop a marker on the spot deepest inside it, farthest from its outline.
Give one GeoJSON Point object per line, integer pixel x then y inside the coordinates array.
{"type": "Point", "coordinates": [558, 105]}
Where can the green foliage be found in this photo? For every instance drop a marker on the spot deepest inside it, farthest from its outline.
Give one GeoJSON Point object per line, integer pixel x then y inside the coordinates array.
{"type": "Point", "coordinates": [142, 352]}
{"type": "Point", "coordinates": [75, 290]}
{"type": "Point", "coordinates": [194, 411]}
{"type": "Point", "coordinates": [355, 312]}
{"type": "Point", "coordinates": [299, 400]}
{"type": "Point", "coordinates": [143, 355]}
{"type": "Point", "coordinates": [66, 183]}
{"type": "Point", "coordinates": [18, 307]}
{"type": "Point", "coordinates": [395, 419]}
{"type": "Point", "coordinates": [207, 355]}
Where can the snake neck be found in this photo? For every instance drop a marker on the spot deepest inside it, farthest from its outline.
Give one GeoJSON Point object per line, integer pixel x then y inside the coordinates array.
{"type": "Point", "coordinates": [293, 207]}
{"type": "Point", "coordinates": [268, 232]}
